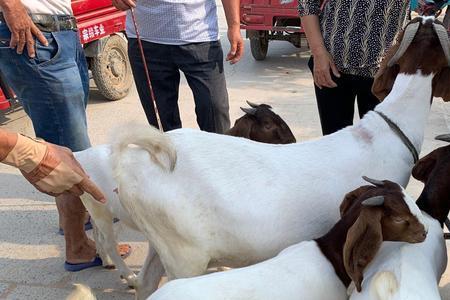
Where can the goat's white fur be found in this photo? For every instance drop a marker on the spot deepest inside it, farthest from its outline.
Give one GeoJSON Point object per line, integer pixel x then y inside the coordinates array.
{"type": "Point", "coordinates": [81, 292]}
{"type": "Point", "coordinates": [301, 271]}
{"type": "Point", "coordinates": [406, 271]}
{"type": "Point", "coordinates": [231, 201]}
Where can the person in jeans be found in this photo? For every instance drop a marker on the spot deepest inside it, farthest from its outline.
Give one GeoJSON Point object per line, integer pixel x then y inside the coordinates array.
{"type": "Point", "coordinates": [347, 41]}
{"type": "Point", "coordinates": [44, 63]}
{"type": "Point", "coordinates": [183, 35]}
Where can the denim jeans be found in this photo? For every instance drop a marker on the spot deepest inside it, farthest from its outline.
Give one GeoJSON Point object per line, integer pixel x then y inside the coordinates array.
{"type": "Point", "coordinates": [201, 63]}
{"type": "Point", "coordinates": [53, 87]}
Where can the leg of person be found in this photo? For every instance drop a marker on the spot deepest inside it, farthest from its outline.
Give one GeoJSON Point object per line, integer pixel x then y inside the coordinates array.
{"type": "Point", "coordinates": [202, 63]}
{"type": "Point", "coordinates": [366, 100]}
{"type": "Point", "coordinates": [335, 105]}
{"type": "Point", "coordinates": [165, 79]}
{"type": "Point", "coordinates": [79, 248]}
{"type": "Point", "coordinates": [53, 90]}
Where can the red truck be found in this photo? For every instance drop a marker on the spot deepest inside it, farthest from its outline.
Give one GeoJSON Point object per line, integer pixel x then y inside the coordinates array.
{"type": "Point", "coordinates": [268, 20]}
{"type": "Point", "coordinates": [101, 27]}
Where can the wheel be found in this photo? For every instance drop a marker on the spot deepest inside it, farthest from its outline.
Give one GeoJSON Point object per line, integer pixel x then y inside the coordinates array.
{"type": "Point", "coordinates": [259, 43]}
{"type": "Point", "coordinates": [111, 69]}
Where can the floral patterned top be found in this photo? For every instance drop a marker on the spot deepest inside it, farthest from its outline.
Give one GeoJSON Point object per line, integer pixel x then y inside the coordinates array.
{"type": "Point", "coordinates": [358, 32]}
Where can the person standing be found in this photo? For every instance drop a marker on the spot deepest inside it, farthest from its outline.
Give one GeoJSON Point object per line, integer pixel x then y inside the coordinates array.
{"type": "Point", "coordinates": [183, 36]}
{"type": "Point", "coordinates": [44, 63]}
{"type": "Point", "coordinates": [347, 41]}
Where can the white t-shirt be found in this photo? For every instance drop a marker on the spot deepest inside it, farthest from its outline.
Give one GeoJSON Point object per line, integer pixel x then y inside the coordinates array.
{"type": "Point", "coordinates": [175, 22]}
{"type": "Point", "coordinates": [50, 7]}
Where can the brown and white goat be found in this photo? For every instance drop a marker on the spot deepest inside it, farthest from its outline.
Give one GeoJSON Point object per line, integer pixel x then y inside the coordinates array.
{"type": "Point", "coordinates": [261, 124]}
{"type": "Point", "coordinates": [204, 199]}
{"type": "Point", "coordinates": [320, 269]}
{"type": "Point", "coordinates": [402, 271]}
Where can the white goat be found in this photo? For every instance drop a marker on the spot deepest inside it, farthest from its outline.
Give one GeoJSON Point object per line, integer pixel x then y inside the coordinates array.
{"type": "Point", "coordinates": [403, 271]}
{"type": "Point", "coordinates": [234, 202]}
{"type": "Point", "coordinates": [320, 269]}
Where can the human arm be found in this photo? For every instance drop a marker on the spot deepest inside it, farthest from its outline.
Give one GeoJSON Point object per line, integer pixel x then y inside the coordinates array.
{"type": "Point", "coordinates": [23, 30]}
{"type": "Point", "coordinates": [323, 62]}
{"type": "Point", "coordinates": [124, 4]}
{"type": "Point", "coordinates": [231, 8]}
{"type": "Point", "coordinates": [50, 168]}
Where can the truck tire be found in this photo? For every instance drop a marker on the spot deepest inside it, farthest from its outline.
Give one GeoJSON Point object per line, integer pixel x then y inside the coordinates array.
{"type": "Point", "coordinates": [111, 69]}
{"type": "Point", "coordinates": [259, 43]}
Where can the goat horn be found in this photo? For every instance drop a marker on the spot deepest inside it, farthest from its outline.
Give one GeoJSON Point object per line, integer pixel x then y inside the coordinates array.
{"type": "Point", "coordinates": [373, 201]}
{"type": "Point", "coordinates": [443, 38]}
{"type": "Point", "coordinates": [251, 104]}
{"type": "Point", "coordinates": [408, 37]}
{"type": "Point", "coordinates": [375, 182]}
{"type": "Point", "coordinates": [250, 111]}
{"type": "Point", "coordinates": [443, 137]}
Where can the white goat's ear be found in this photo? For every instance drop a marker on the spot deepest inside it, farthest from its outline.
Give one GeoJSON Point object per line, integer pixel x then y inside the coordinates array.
{"type": "Point", "coordinates": [441, 86]}
{"type": "Point", "coordinates": [373, 201]}
{"type": "Point", "coordinates": [363, 241]}
{"type": "Point", "coordinates": [425, 166]}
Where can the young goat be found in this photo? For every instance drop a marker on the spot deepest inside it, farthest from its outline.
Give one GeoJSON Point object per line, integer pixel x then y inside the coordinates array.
{"type": "Point", "coordinates": [320, 269]}
{"type": "Point", "coordinates": [205, 199]}
{"type": "Point", "coordinates": [403, 271]}
{"type": "Point", "coordinates": [261, 124]}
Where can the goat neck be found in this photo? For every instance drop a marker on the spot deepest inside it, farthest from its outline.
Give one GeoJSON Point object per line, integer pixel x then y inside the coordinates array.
{"type": "Point", "coordinates": [408, 105]}
{"type": "Point", "coordinates": [332, 243]}
{"type": "Point", "coordinates": [435, 197]}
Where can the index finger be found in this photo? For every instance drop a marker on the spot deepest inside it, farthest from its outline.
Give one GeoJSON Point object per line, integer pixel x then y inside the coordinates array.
{"type": "Point", "coordinates": [89, 187]}
{"type": "Point", "coordinates": [38, 34]}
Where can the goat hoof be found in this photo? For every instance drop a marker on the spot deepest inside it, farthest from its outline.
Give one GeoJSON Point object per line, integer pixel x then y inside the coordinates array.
{"type": "Point", "coordinates": [110, 267]}
{"type": "Point", "coordinates": [132, 281]}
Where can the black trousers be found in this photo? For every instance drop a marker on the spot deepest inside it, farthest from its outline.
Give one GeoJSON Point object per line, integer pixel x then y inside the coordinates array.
{"type": "Point", "coordinates": [336, 105]}
{"type": "Point", "coordinates": [201, 63]}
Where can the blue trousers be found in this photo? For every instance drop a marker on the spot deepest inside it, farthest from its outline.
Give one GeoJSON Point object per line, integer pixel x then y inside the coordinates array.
{"type": "Point", "coordinates": [53, 87]}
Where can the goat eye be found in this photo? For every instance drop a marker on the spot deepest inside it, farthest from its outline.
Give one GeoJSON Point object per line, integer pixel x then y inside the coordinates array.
{"type": "Point", "coordinates": [399, 220]}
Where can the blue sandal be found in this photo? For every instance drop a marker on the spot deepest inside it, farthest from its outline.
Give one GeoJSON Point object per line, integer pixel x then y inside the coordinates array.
{"type": "Point", "coordinates": [81, 266]}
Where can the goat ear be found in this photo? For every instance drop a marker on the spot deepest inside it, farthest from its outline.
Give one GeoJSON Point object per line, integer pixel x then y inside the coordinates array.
{"type": "Point", "coordinates": [363, 241]}
{"type": "Point", "coordinates": [351, 197]}
{"type": "Point", "coordinates": [242, 128]}
{"type": "Point", "coordinates": [384, 81]}
{"type": "Point", "coordinates": [441, 84]}
{"type": "Point", "coordinates": [424, 166]}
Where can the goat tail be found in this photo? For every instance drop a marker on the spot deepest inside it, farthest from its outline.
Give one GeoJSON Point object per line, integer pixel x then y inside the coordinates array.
{"type": "Point", "coordinates": [148, 138]}
{"type": "Point", "coordinates": [81, 292]}
{"type": "Point", "coordinates": [384, 285]}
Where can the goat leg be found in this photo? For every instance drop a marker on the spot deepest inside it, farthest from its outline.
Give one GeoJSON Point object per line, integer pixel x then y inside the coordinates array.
{"type": "Point", "coordinates": [106, 240]}
{"type": "Point", "coordinates": [150, 274]}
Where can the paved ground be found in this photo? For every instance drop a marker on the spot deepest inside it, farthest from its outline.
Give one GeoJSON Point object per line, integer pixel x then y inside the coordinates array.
{"type": "Point", "coordinates": [32, 254]}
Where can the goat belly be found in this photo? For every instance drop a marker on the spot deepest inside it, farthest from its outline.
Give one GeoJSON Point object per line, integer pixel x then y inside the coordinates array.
{"type": "Point", "coordinates": [298, 272]}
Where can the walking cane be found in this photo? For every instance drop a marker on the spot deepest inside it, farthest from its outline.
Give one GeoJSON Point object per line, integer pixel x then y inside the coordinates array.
{"type": "Point", "coordinates": [147, 74]}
